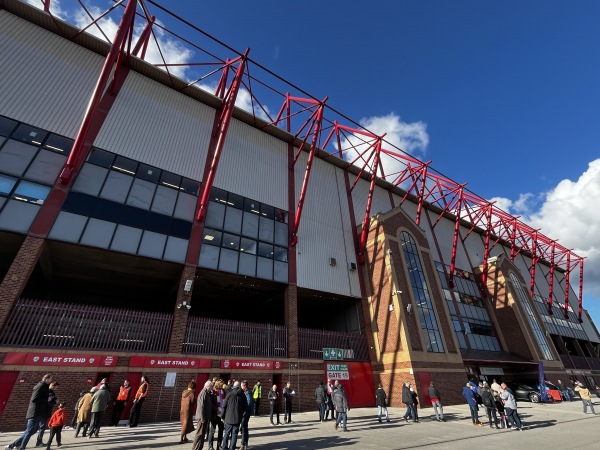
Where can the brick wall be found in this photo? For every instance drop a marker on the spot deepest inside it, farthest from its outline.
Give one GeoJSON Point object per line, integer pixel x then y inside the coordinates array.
{"type": "Point", "coordinates": [180, 315]}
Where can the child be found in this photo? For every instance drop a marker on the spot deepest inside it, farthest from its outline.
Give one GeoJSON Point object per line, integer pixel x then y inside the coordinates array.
{"type": "Point", "coordinates": [56, 423]}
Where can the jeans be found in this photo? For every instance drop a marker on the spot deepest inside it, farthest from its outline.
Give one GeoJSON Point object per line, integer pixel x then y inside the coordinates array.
{"type": "Point", "coordinates": [215, 424]}
{"type": "Point", "coordinates": [474, 413]}
{"type": "Point", "coordinates": [585, 405]}
{"type": "Point", "coordinates": [566, 395]}
{"type": "Point", "coordinates": [491, 413]}
{"type": "Point", "coordinates": [321, 411]}
{"type": "Point", "coordinates": [410, 412]}
{"type": "Point", "coordinates": [513, 417]}
{"type": "Point", "coordinates": [230, 430]}
{"type": "Point", "coordinates": [342, 417]}
{"type": "Point", "coordinates": [244, 429]}
{"type": "Point", "coordinates": [287, 416]}
{"type": "Point", "coordinates": [439, 411]}
{"type": "Point", "coordinates": [33, 425]}
{"type": "Point", "coordinates": [274, 410]}
{"type": "Point", "coordinates": [380, 409]}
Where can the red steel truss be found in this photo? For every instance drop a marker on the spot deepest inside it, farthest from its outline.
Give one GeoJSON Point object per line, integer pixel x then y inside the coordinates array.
{"type": "Point", "coordinates": [365, 153]}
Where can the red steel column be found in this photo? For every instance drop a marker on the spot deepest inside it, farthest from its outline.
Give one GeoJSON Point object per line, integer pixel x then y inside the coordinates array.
{"type": "Point", "coordinates": [567, 285]}
{"type": "Point", "coordinates": [551, 281]}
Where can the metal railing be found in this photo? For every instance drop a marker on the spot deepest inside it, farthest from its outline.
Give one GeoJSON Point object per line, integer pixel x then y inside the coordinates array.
{"type": "Point", "coordinates": [312, 342]}
{"type": "Point", "coordinates": [227, 337]}
{"type": "Point", "coordinates": [35, 323]}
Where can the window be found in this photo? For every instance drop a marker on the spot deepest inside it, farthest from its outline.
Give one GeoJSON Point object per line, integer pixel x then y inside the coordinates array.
{"type": "Point", "coordinates": [29, 134]}
{"type": "Point", "coordinates": [6, 184]}
{"type": "Point", "coordinates": [59, 144]}
{"type": "Point", "coordinates": [31, 192]}
{"type": "Point", "coordinates": [101, 158]}
{"type": "Point", "coordinates": [6, 126]}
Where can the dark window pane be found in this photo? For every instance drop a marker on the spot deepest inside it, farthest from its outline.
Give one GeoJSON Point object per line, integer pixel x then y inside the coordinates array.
{"type": "Point", "coordinates": [6, 184]}
{"type": "Point", "coordinates": [281, 254]}
{"type": "Point", "coordinates": [190, 186]}
{"type": "Point", "coordinates": [170, 180]}
{"type": "Point", "coordinates": [101, 157]}
{"type": "Point", "coordinates": [251, 206]}
{"type": "Point", "coordinates": [267, 211]}
{"type": "Point", "coordinates": [231, 242]}
{"type": "Point", "coordinates": [281, 215]}
{"type": "Point", "coordinates": [265, 250]}
{"type": "Point", "coordinates": [248, 246]}
{"type": "Point", "coordinates": [212, 237]}
{"type": "Point", "coordinates": [218, 195]}
{"type": "Point", "coordinates": [237, 201]}
{"type": "Point", "coordinates": [59, 144]}
{"type": "Point", "coordinates": [148, 173]}
{"type": "Point", "coordinates": [6, 126]}
{"type": "Point", "coordinates": [233, 220]}
{"type": "Point", "coordinates": [250, 225]}
{"type": "Point", "coordinates": [125, 165]}
{"type": "Point", "coordinates": [215, 215]}
{"type": "Point", "coordinates": [31, 192]}
{"type": "Point", "coordinates": [29, 134]}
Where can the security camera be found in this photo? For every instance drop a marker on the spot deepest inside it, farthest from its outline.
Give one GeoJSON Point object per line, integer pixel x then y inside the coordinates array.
{"type": "Point", "coordinates": [187, 288]}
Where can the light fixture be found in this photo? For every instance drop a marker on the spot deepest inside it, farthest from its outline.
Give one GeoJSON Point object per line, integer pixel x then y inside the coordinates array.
{"type": "Point", "coordinates": [184, 304]}
{"type": "Point", "coordinates": [409, 308]}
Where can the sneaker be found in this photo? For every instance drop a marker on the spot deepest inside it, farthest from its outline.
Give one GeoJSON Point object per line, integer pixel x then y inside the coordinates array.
{"type": "Point", "coordinates": [8, 447]}
{"type": "Point", "coordinates": [346, 429]}
{"type": "Point", "coordinates": [513, 428]}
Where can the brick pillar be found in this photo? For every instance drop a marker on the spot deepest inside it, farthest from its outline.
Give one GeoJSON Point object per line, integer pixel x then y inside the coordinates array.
{"type": "Point", "coordinates": [291, 319]}
{"type": "Point", "coordinates": [180, 315]}
{"type": "Point", "coordinates": [18, 275]}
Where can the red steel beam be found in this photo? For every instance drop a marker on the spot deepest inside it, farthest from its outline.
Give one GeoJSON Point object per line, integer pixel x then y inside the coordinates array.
{"type": "Point", "coordinates": [551, 280]}
{"type": "Point", "coordinates": [567, 285]}
{"type": "Point", "coordinates": [580, 289]}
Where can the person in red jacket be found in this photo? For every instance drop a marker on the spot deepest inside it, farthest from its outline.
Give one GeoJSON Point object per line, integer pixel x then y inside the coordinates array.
{"type": "Point", "coordinates": [56, 424]}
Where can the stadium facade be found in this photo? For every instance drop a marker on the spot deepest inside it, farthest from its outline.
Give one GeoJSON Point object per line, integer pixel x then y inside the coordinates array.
{"type": "Point", "coordinates": [150, 227]}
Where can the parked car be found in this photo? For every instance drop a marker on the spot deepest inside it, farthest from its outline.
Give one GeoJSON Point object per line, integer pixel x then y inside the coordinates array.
{"type": "Point", "coordinates": [530, 390]}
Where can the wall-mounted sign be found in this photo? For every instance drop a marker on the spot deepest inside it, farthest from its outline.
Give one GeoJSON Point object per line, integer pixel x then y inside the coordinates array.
{"type": "Point", "coordinates": [338, 372]}
{"type": "Point", "coordinates": [160, 362]}
{"type": "Point", "coordinates": [491, 371]}
{"type": "Point", "coordinates": [337, 354]}
{"type": "Point", "coordinates": [250, 365]}
{"type": "Point", "coordinates": [59, 359]}
{"type": "Point", "coordinates": [170, 379]}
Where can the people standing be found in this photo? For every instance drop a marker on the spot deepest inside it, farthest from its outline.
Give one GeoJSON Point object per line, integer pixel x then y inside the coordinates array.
{"type": "Point", "coordinates": [122, 399]}
{"type": "Point", "coordinates": [186, 411]}
{"type": "Point", "coordinates": [415, 398]}
{"type": "Point", "coordinates": [564, 391]}
{"type": "Point", "coordinates": [436, 402]}
{"type": "Point", "coordinates": [274, 404]}
{"type": "Point", "coordinates": [496, 388]}
{"type": "Point", "coordinates": [407, 399]}
{"type": "Point", "coordinates": [234, 406]}
{"type": "Point", "coordinates": [216, 421]}
{"type": "Point", "coordinates": [586, 397]}
{"type": "Point", "coordinates": [49, 407]}
{"type": "Point", "coordinates": [321, 398]}
{"type": "Point", "coordinates": [510, 408]}
{"type": "Point", "coordinates": [99, 403]}
{"type": "Point", "coordinates": [257, 396]}
{"type": "Point", "coordinates": [246, 417]}
{"type": "Point", "coordinates": [56, 424]}
{"type": "Point", "coordinates": [329, 406]}
{"type": "Point", "coordinates": [84, 414]}
{"type": "Point", "coordinates": [340, 402]}
{"type": "Point", "coordinates": [36, 412]}
{"type": "Point", "coordinates": [468, 393]}
{"type": "Point", "coordinates": [138, 401]}
{"type": "Point", "coordinates": [381, 402]}
{"type": "Point", "coordinates": [204, 413]}
{"type": "Point", "coordinates": [288, 394]}
{"type": "Point", "coordinates": [487, 399]}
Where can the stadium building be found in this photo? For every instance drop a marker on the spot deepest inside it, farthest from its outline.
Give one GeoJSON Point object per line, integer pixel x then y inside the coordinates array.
{"type": "Point", "coordinates": [185, 220]}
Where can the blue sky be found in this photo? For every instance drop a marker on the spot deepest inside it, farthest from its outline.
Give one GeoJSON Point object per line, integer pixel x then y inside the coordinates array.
{"type": "Point", "coordinates": [504, 93]}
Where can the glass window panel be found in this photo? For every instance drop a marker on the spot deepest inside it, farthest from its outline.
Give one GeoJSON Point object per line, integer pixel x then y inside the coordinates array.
{"type": "Point", "coordinates": [98, 233]}
{"type": "Point", "coordinates": [176, 249]}
{"type": "Point", "coordinates": [281, 254]}
{"type": "Point", "coordinates": [266, 229]}
{"type": "Point", "coordinates": [186, 206]}
{"type": "Point", "coordinates": [152, 244]}
{"type": "Point", "coordinates": [29, 134]}
{"type": "Point", "coordinates": [148, 173]}
{"type": "Point", "coordinates": [116, 187]}
{"type": "Point", "coordinates": [218, 195]}
{"type": "Point", "coordinates": [141, 194]}
{"type": "Point", "coordinates": [461, 340]}
{"type": "Point", "coordinates": [209, 257]}
{"type": "Point", "coordinates": [164, 200]}
{"type": "Point", "coordinates": [247, 265]}
{"type": "Point", "coordinates": [45, 167]}
{"type": "Point", "coordinates": [59, 144]}
{"type": "Point", "coordinates": [18, 216]}
{"type": "Point", "coordinates": [170, 179]}
{"type": "Point", "coordinates": [7, 126]}
{"type": "Point", "coordinates": [2, 202]}
{"type": "Point", "coordinates": [251, 206]}
{"type": "Point", "coordinates": [101, 158]}
{"type": "Point", "coordinates": [237, 201]}
{"type": "Point", "coordinates": [280, 271]}
{"type": "Point", "coordinates": [281, 215]}
{"type": "Point", "coordinates": [228, 262]}
{"type": "Point", "coordinates": [215, 216]}
{"type": "Point", "coordinates": [6, 184]}
{"type": "Point", "coordinates": [90, 179]}
{"type": "Point", "coordinates": [248, 246]}
{"type": "Point", "coordinates": [212, 237]}
{"type": "Point", "coordinates": [68, 227]}
{"type": "Point", "coordinates": [125, 165]}
{"type": "Point", "coordinates": [267, 211]}
{"type": "Point", "coordinates": [264, 268]}
{"type": "Point", "coordinates": [231, 242]}
{"type": "Point", "coordinates": [265, 250]}
{"type": "Point", "coordinates": [126, 239]}
{"type": "Point", "coordinates": [190, 186]}
{"type": "Point", "coordinates": [15, 157]}
{"type": "Point", "coordinates": [233, 220]}
{"type": "Point", "coordinates": [281, 234]}
{"type": "Point", "coordinates": [31, 192]}
{"type": "Point", "coordinates": [250, 225]}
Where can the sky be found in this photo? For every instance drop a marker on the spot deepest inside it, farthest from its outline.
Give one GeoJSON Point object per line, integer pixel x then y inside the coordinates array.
{"type": "Point", "coordinates": [502, 95]}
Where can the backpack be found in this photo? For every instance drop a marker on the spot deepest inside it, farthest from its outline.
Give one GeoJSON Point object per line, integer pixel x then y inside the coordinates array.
{"type": "Point", "coordinates": [487, 401]}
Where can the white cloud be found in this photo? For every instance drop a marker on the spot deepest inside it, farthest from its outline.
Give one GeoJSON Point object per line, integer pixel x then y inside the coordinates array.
{"type": "Point", "coordinates": [55, 7]}
{"type": "Point", "coordinates": [523, 206]}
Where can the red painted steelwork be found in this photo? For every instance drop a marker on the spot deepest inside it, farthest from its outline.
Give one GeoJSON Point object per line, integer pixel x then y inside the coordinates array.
{"type": "Point", "coordinates": [567, 285]}
{"type": "Point", "coordinates": [551, 282]}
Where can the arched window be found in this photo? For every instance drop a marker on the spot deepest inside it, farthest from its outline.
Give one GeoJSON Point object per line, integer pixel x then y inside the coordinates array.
{"type": "Point", "coordinates": [425, 310]}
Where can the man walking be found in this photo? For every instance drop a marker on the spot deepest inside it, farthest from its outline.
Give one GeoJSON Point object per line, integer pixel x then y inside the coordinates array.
{"type": "Point", "coordinates": [340, 402]}
{"type": "Point", "coordinates": [233, 410]}
{"type": "Point", "coordinates": [381, 401]}
{"type": "Point", "coordinates": [204, 412]}
{"type": "Point", "coordinates": [99, 402]}
{"type": "Point", "coordinates": [36, 412]}
{"type": "Point", "coordinates": [246, 417]}
{"type": "Point", "coordinates": [586, 397]}
{"type": "Point", "coordinates": [288, 394]}
{"type": "Point", "coordinates": [256, 396]}
{"type": "Point", "coordinates": [436, 402]}
{"type": "Point", "coordinates": [321, 397]}
{"type": "Point", "coordinates": [407, 399]}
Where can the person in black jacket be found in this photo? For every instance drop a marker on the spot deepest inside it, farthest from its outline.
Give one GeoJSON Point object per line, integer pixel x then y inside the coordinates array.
{"type": "Point", "coordinates": [234, 406]}
{"type": "Point", "coordinates": [408, 400]}
{"type": "Point", "coordinates": [36, 412]}
{"type": "Point", "coordinates": [321, 397]}
{"type": "Point", "coordinates": [274, 404]}
{"type": "Point", "coordinates": [288, 394]}
{"type": "Point", "coordinates": [49, 407]}
{"type": "Point", "coordinates": [380, 400]}
{"type": "Point", "coordinates": [490, 406]}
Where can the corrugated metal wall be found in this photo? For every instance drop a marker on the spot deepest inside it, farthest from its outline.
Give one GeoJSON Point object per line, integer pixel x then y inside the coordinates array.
{"type": "Point", "coordinates": [46, 80]}
{"type": "Point", "coordinates": [154, 124]}
{"type": "Point", "coordinates": [254, 164]}
{"type": "Point", "coordinates": [381, 199]}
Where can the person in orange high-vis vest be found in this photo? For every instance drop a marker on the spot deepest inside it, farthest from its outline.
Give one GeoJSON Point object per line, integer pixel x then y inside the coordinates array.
{"type": "Point", "coordinates": [138, 401]}
{"type": "Point", "coordinates": [122, 399]}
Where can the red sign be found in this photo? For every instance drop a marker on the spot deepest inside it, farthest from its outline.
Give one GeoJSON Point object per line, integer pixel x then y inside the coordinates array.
{"type": "Point", "coordinates": [252, 365]}
{"type": "Point", "coordinates": [169, 363]}
{"type": "Point", "coordinates": [59, 359]}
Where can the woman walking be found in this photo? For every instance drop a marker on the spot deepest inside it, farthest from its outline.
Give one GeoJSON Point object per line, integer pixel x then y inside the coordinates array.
{"type": "Point", "coordinates": [188, 406]}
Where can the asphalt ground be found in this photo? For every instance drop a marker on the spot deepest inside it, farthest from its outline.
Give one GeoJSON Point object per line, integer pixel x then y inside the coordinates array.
{"type": "Point", "coordinates": [551, 426]}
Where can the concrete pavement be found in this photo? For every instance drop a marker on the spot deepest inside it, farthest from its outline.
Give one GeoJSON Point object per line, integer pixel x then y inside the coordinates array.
{"type": "Point", "coordinates": [556, 426]}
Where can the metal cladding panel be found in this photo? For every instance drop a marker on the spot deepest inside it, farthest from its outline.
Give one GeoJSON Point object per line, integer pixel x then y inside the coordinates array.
{"type": "Point", "coordinates": [46, 80]}
{"type": "Point", "coordinates": [254, 164]}
{"type": "Point", "coordinates": [443, 233]}
{"type": "Point", "coordinates": [590, 331]}
{"type": "Point", "coordinates": [156, 125]}
{"type": "Point", "coordinates": [381, 199]}
{"type": "Point", "coordinates": [474, 243]}
{"type": "Point", "coordinates": [325, 231]}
